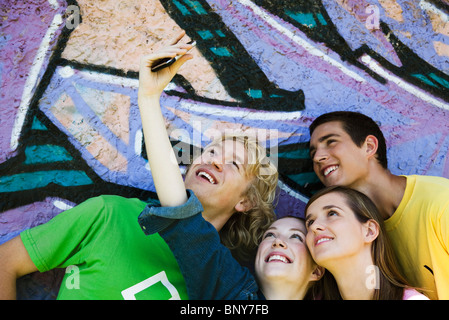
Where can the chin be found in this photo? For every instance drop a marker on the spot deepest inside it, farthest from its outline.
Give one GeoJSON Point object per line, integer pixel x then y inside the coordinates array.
{"type": "Point", "coordinates": [276, 274]}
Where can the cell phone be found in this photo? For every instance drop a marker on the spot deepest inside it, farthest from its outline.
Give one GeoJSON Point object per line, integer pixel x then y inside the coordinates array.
{"type": "Point", "coordinates": [165, 62]}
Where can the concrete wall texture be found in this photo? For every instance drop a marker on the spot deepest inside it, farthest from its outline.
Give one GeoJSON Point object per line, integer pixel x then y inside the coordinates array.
{"type": "Point", "coordinates": [69, 122]}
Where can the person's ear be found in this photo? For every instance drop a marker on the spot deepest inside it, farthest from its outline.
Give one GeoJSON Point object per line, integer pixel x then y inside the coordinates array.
{"type": "Point", "coordinates": [317, 274]}
{"type": "Point", "coordinates": [371, 145]}
{"type": "Point", "coordinates": [371, 230]}
{"type": "Point", "coordinates": [243, 205]}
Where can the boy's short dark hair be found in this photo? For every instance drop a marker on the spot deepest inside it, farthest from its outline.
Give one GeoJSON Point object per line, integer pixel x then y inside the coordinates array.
{"type": "Point", "coordinates": [358, 126]}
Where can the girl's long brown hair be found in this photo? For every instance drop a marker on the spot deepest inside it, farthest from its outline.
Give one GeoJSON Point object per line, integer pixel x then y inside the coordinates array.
{"type": "Point", "coordinates": [391, 283]}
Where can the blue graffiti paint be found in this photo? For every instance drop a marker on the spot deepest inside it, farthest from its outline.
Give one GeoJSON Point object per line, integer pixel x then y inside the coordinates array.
{"type": "Point", "coordinates": [221, 51]}
{"type": "Point", "coordinates": [205, 34]}
{"type": "Point", "coordinates": [46, 154]}
{"type": "Point", "coordinates": [220, 33]}
{"type": "Point", "coordinates": [304, 178]}
{"type": "Point", "coordinates": [306, 19]}
{"type": "Point", "coordinates": [196, 6]}
{"type": "Point", "coordinates": [440, 80]}
{"type": "Point", "coordinates": [39, 179]}
{"type": "Point", "coordinates": [254, 93]}
{"type": "Point", "coordinates": [181, 8]}
{"type": "Point", "coordinates": [424, 79]}
{"type": "Point", "coordinates": [321, 19]}
{"type": "Point", "coordinates": [37, 125]}
{"type": "Point", "coordinates": [295, 154]}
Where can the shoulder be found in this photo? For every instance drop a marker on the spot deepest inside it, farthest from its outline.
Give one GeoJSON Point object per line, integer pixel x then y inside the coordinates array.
{"type": "Point", "coordinates": [430, 187]}
{"type": "Point", "coordinates": [113, 201]}
{"type": "Point", "coordinates": [117, 201]}
{"type": "Point", "coordinates": [105, 206]}
{"type": "Point", "coordinates": [439, 183]}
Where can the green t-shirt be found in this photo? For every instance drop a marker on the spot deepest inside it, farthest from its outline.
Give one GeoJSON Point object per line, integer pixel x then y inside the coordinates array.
{"type": "Point", "coordinates": [106, 253]}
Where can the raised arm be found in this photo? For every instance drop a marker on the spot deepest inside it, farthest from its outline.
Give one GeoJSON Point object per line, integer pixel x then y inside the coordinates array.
{"type": "Point", "coordinates": [164, 167]}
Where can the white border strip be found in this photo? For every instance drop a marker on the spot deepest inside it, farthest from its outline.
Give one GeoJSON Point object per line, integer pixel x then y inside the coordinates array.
{"type": "Point", "coordinates": [431, 8]}
{"type": "Point", "coordinates": [32, 80]}
{"type": "Point", "coordinates": [295, 194]}
{"type": "Point", "coordinates": [189, 106]}
{"type": "Point", "coordinates": [373, 65]}
{"type": "Point", "coordinates": [246, 114]}
{"type": "Point", "coordinates": [110, 79]}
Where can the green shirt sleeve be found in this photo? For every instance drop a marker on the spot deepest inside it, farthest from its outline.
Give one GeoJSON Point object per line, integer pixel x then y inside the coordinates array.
{"type": "Point", "coordinates": [58, 243]}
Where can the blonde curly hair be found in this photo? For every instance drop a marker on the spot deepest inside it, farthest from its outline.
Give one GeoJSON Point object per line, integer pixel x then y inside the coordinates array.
{"type": "Point", "coordinates": [242, 233]}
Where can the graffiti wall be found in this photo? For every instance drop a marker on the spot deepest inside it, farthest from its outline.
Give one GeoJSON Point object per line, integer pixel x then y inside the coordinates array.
{"type": "Point", "coordinates": [70, 124]}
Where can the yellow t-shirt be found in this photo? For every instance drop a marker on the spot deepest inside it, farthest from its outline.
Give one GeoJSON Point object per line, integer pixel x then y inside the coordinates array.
{"type": "Point", "coordinates": [419, 232]}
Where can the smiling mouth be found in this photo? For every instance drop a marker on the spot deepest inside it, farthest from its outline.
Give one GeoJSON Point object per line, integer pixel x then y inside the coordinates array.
{"type": "Point", "coordinates": [277, 258]}
{"type": "Point", "coordinates": [206, 176]}
{"type": "Point", "coordinates": [321, 240]}
{"type": "Point", "coordinates": [329, 170]}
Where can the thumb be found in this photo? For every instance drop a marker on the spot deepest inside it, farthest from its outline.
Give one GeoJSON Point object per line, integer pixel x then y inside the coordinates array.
{"type": "Point", "coordinates": [175, 66]}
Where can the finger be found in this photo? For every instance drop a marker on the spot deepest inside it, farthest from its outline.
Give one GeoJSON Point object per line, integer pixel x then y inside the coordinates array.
{"type": "Point", "coordinates": [178, 49]}
{"type": "Point", "coordinates": [167, 53]}
{"type": "Point", "coordinates": [175, 66]}
{"type": "Point", "coordinates": [186, 46]}
{"type": "Point", "coordinates": [178, 37]}
{"type": "Point", "coordinates": [149, 60]}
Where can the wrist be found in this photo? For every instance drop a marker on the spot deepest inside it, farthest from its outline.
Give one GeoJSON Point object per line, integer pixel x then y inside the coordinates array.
{"type": "Point", "coordinates": [142, 97]}
{"type": "Point", "coordinates": [148, 103]}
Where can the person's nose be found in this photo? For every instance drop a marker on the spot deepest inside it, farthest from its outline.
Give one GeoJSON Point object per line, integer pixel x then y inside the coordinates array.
{"type": "Point", "coordinates": [216, 161]}
{"type": "Point", "coordinates": [317, 226]}
{"type": "Point", "coordinates": [279, 243]}
{"type": "Point", "coordinates": [218, 165]}
{"type": "Point", "coordinates": [320, 155]}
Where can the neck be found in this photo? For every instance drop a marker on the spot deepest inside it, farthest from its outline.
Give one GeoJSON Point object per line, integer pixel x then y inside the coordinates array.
{"type": "Point", "coordinates": [284, 290]}
{"type": "Point", "coordinates": [217, 219]}
{"type": "Point", "coordinates": [353, 276]}
{"type": "Point", "coordinates": [384, 189]}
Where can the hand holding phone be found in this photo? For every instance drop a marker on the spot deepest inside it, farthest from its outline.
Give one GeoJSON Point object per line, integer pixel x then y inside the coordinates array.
{"type": "Point", "coordinates": [165, 62]}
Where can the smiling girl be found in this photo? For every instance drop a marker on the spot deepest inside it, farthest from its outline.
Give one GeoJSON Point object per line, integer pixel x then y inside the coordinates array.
{"type": "Point", "coordinates": [346, 235]}
{"type": "Point", "coordinates": [283, 266]}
